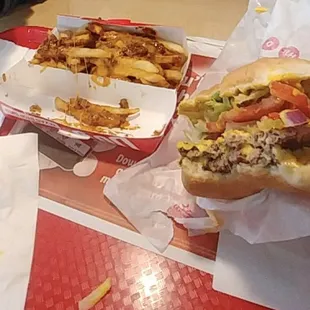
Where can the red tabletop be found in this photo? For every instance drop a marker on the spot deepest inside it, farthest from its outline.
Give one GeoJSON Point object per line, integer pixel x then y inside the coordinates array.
{"type": "Point", "coordinates": [71, 260]}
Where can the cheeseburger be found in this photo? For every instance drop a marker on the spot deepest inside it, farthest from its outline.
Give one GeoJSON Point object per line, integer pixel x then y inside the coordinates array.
{"type": "Point", "coordinates": [256, 132]}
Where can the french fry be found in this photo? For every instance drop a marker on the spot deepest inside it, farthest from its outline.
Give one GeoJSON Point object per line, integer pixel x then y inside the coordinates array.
{"type": "Point", "coordinates": [94, 114]}
{"type": "Point", "coordinates": [149, 78]}
{"type": "Point", "coordinates": [120, 111]}
{"type": "Point", "coordinates": [107, 53]}
{"type": "Point", "coordinates": [93, 298]}
{"type": "Point", "coordinates": [67, 34]}
{"type": "Point", "coordinates": [173, 60]}
{"type": "Point", "coordinates": [138, 64]}
{"type": "Point", "coordinates": [71, 61]}
{"type": "Point", "coordinates": [61, 105]}
{"type": "Point", "coordinates": [82, 30]}
{"type": "Point", "coordinates": [78, 68]}
{"type": "Point", "coordinates": [61, 65]}
{"type": "Point", "coordinates": [177, 68]}
{"type": "Point", "coordinates": [64, 106]}
{"type": "Point", "coordinates": [100, 80]}
{"type": "Point", "coordinates": [96, 61]}
{"type": "Point", "coordinates": [101, 71]}
{"type": "Point", "coordinates": [35, 61]}
{"type": "Point", "coordinates": [37, 58]}
{"type": "Point", "coordinates": [83, 52]}
{"type": "Point", "coordinates": [95, 28]}
{"type": "Point", "coordinates": [77, 40]}
{"type": "Point", "coordinates": [173, 75]}
{"type": "Point", "coordinates": [100, 63]}
{"type": "Point", "coordinates": [120, 44]}
{"type": "Point", "coordinates": [50, 63]}
{"type": "Point", "coordinates": [173, 47]}
{"type": "Point", "coordinates": [155, 79]}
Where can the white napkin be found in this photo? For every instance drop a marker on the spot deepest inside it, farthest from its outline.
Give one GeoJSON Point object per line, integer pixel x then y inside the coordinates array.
{"type": "Point", "coordinates": [275, 275]}
{"type": "Point", "coordinates": [10, 54]}
{"type": "Point", "coordinates": [19, 186]}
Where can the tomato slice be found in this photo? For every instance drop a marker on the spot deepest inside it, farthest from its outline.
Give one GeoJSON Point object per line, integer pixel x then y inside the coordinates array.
{"type": "Point", "coordinates": [253, 112]}
{"type": "Point", "coordinates": [284, 96]}
{"type": "Point", "coordinates": [274, 115]}
{"type": "Point", "coordinates": [291, 94]}
{"type": "Point", "coordinates": [216, 127]}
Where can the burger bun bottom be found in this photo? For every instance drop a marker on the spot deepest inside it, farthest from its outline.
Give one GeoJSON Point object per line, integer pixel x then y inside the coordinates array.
{"type": "Point", "coordinates": [245, 181]}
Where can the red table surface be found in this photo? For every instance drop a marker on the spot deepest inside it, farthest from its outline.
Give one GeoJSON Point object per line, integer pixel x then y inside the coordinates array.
{"type": "Point", "coordinates": [71, 260]}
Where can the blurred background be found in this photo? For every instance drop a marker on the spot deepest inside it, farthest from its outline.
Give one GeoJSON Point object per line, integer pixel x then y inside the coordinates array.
{"type": "Point", "coordinates": [206, 18]}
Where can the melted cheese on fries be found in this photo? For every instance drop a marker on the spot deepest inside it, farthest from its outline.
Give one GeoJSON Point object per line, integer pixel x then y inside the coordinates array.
{"type": "Point", "coordinates": [140, 58]}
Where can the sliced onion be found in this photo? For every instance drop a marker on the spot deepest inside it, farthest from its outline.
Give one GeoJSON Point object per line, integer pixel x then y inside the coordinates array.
{"type": "Point", "coordinates": [293, 118]}
{"type": "Point", "coordinates": [234, 125]}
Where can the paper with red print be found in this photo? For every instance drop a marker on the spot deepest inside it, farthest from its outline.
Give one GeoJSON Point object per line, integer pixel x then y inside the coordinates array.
{"type": "Point", "coordinates": [288, 30]}
{"type": "Point", "coordinates": [156, 181]}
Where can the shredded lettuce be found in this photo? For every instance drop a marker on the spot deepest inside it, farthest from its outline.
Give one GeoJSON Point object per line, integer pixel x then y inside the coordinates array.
{"type": "Point", "coordinates": [253, 95]}
{"type": "Point", "coordinates": [213, 109]}
{"type": "Point", "coordinates": [195, 132]}
{"type": "Point", "coordinates": [226, 101]}
{"type": "Point", "coordinates": [216, 97]}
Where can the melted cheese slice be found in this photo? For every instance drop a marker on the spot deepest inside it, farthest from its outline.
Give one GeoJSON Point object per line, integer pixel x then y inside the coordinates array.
{"type": "Point", "coordinates": [247, 150]}
{"type": "Point", "coordinates": [203, 146]}
{"type": "Point", "coordinates": [286, 158]}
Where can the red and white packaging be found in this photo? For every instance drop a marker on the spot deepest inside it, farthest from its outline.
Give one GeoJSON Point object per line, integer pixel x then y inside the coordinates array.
{"type": "Point", "coordinates": [287, 34]}
{"type": "Point", "coordinates": [25, 85]}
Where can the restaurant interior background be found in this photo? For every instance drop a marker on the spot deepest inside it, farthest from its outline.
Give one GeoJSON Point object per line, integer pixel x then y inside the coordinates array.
{"type": "Point", "coordinates": [206, 18]}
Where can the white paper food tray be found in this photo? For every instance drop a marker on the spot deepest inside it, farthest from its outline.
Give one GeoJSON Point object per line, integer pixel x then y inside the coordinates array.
{"type": "Point", "coordinates": [26, 85]}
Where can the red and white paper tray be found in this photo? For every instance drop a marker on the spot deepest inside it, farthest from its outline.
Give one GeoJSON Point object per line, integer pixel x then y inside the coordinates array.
{"type": "Point", "coordinates": [24, 85]}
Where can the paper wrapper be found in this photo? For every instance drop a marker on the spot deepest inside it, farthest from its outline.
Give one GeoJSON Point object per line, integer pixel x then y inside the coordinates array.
{"type": "Point", "coordinates": [152, 191]}
{"type": "Point", "coordinates": [19, 195]}
{"type": "Point", "coordinates": [264, 217]}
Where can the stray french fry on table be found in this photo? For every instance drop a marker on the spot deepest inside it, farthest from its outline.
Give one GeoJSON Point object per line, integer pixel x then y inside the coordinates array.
{"type": "Point", "coordinates": [95, 296]}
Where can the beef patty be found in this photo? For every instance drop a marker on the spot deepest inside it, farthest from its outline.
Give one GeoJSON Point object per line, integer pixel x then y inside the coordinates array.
{"type": "Point", "coordinates": [253, 147]}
